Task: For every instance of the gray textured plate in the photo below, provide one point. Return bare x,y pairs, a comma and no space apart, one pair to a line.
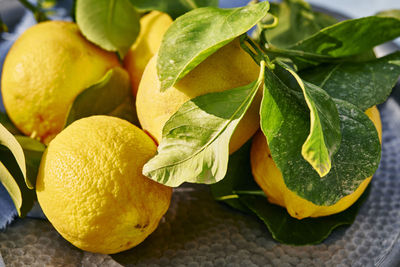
197,231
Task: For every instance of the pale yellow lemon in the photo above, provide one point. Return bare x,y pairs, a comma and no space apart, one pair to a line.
91,188
230,67
46,68
152,28
270,179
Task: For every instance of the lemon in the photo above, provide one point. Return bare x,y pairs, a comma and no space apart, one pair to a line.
91,188
270,179
230,67
46,68
152,28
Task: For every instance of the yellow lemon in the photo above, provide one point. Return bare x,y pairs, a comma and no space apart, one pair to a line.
91,188
46,68
270,179
152,28
230,67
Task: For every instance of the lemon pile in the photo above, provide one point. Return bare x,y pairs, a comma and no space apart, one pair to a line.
90,183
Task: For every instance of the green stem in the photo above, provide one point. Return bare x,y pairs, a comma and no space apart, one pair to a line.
38,13
255,52
250,192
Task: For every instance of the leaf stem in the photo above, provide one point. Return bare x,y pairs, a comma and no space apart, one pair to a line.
36,10
250,192
255,52
227,197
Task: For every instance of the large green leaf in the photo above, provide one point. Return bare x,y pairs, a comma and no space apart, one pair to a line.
286,122
350,37
291,231
239,190
33,151
195,142
198,34
296,21
110,96
363,84
111,24
174,8
13,172
324,138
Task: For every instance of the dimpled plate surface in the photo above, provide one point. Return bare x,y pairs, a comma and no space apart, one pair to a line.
197,231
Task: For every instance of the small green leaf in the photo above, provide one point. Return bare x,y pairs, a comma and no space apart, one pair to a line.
195,143
285,121
350,37
172,7
111,24
13,172
363,84
324,138
110,96
291,231
198,34
33,151
296,21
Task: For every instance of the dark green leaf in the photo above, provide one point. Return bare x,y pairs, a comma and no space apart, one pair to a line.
198,34
350,37
296,22
174,8
291,231
195,142
110,96
238,176
324,138
239,190
33,151
286,122
362,84
111,24
13,172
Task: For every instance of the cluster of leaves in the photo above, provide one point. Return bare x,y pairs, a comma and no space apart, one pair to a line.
319,77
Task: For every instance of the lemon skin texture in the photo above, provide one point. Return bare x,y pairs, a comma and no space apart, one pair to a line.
91,188
270,179
46,68
152,29
230,67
